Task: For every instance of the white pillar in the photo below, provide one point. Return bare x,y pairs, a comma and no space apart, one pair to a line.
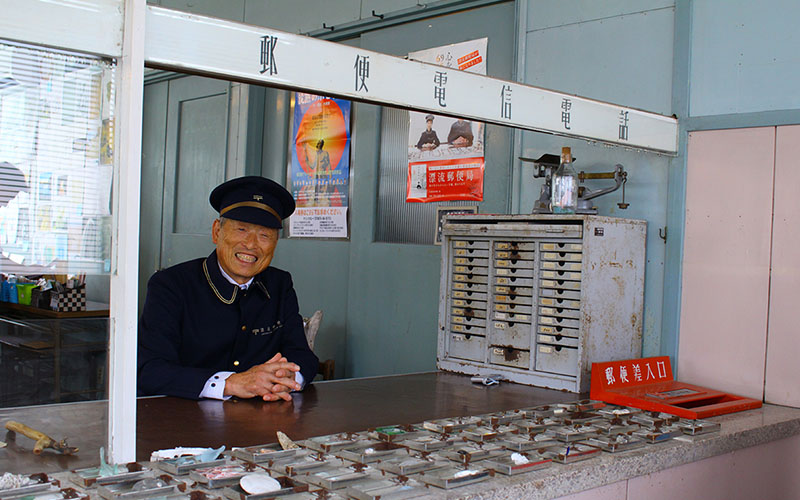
124,282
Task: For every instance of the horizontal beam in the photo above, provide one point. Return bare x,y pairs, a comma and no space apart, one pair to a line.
235,51
92,27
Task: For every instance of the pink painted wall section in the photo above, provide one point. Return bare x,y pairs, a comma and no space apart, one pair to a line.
725,278
783,337
768,471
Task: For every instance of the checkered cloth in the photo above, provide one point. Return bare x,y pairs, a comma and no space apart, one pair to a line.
70,300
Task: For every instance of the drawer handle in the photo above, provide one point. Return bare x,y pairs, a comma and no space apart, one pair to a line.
553,230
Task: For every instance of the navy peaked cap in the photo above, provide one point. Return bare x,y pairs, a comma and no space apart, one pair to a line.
253,199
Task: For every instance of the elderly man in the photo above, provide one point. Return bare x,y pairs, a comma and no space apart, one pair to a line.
228,324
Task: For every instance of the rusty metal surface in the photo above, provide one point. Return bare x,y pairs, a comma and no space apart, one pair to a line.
323,408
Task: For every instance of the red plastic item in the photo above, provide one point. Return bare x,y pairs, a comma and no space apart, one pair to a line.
647,383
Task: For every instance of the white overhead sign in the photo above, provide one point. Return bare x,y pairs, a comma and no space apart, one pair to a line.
181,41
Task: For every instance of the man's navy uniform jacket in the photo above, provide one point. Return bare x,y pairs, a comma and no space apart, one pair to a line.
196,323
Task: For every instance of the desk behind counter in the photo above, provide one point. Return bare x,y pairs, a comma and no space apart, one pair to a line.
323,408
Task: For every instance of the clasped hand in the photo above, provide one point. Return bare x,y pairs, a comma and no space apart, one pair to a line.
271,381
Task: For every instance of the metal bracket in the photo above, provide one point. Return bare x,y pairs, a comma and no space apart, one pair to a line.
663,235
379,16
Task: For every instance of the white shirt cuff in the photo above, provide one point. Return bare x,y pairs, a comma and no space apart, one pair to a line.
215,386
300,380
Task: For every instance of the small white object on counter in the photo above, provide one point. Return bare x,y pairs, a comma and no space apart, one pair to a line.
10,481
519,459
175,453
259,483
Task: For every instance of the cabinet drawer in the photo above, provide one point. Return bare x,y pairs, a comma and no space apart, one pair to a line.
514,291
562,275
515,256
469,287
470,252
514,272
508,356
557,359
514,299
569,304
551,265
515,245
512,317
561,284
517,335
560,312
470,269
512,281
562,256
467,294
473,244
475,304
471,347
468,312
561,247
471,278
558,340
513,308
559,294
467,329
462,320
558,330
564,322
470,261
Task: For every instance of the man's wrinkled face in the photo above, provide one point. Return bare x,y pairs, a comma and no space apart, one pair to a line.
243,249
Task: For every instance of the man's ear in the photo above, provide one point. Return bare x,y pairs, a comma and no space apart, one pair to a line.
215,230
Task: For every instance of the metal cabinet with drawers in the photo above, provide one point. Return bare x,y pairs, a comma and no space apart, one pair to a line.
538,298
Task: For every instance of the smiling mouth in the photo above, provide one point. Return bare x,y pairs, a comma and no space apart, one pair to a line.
246,258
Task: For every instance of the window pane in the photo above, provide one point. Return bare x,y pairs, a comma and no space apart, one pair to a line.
56,161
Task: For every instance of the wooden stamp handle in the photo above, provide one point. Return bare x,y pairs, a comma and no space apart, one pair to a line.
42,440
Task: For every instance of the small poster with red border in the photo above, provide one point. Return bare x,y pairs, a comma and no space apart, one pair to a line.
439,180
446,155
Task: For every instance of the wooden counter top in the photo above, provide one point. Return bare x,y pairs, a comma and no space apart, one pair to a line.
323,408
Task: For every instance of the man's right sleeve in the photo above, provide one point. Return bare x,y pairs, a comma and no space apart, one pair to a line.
159,368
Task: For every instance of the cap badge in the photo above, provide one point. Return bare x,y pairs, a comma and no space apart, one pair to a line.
258,197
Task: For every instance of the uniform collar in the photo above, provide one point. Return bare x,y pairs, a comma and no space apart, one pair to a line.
224,290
